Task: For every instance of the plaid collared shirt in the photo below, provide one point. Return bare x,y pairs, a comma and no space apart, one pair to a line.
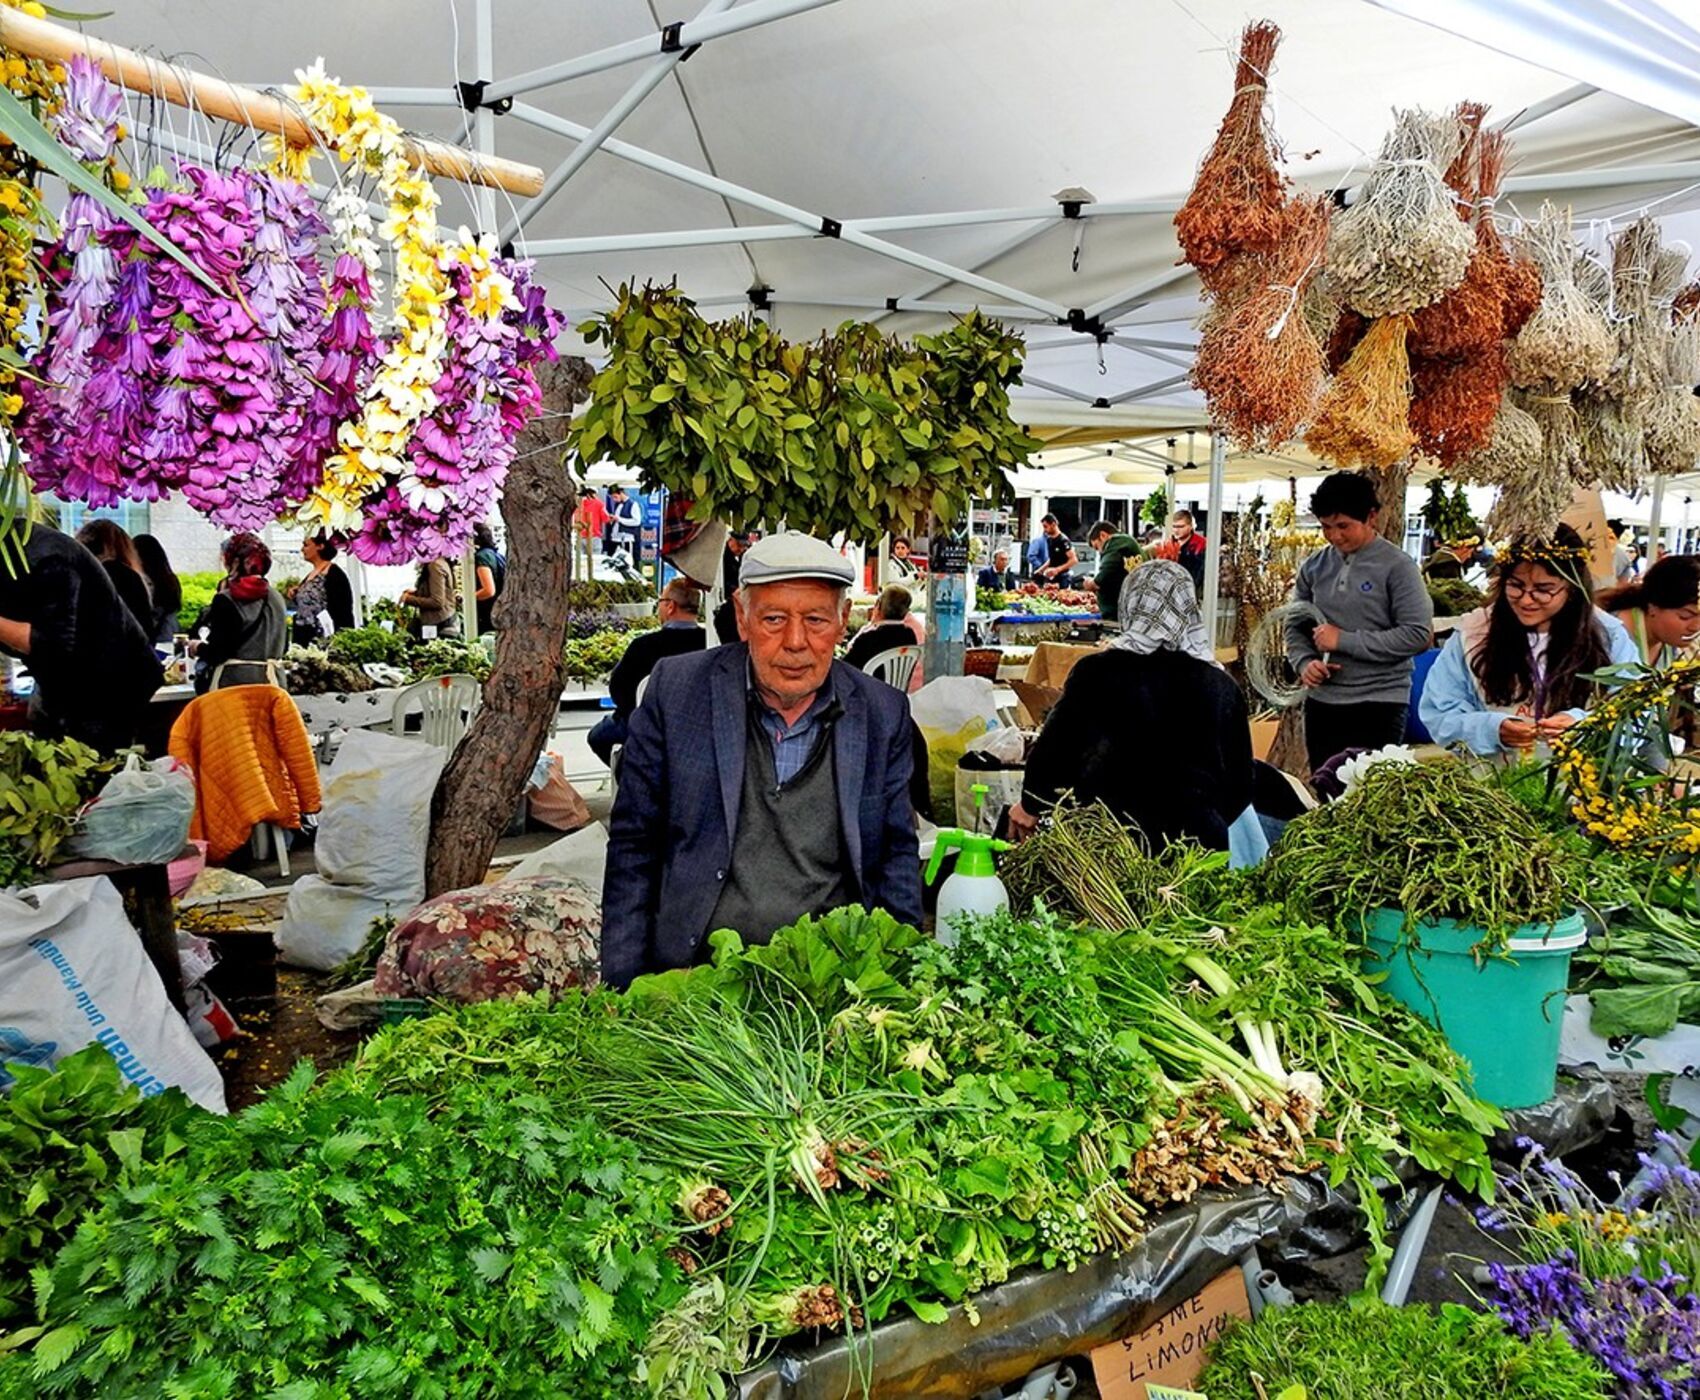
792,744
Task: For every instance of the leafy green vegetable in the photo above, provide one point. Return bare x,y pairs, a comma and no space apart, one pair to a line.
69,1138
43,785
445,656
362,645
1369,1351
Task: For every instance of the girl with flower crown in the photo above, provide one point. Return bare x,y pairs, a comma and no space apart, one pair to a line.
1515,673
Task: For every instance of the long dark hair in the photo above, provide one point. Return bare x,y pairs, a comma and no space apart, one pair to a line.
108,540
167,591
1673,582
1575,644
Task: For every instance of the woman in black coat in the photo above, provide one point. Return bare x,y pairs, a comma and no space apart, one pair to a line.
1152,727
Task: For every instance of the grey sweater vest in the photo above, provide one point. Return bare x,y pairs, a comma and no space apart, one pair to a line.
788,855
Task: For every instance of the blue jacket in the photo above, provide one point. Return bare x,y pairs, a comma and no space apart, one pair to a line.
681,782
1452,708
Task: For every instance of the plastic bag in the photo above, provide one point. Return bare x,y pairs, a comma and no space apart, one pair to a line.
580,856
141,816
951,712
73,971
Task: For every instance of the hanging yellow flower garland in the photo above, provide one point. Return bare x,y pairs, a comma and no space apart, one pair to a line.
373,447
36,84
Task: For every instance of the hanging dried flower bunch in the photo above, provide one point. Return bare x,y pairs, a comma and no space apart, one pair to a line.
1361,420
1402,245
1612,428
1672,432
1259,364
1513,442
1519,278
1567,342
1238,202
1454,403
1470,316
1348,331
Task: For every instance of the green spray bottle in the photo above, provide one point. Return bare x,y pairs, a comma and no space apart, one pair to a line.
973,887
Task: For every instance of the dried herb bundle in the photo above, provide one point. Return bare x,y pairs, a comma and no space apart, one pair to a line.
1402,245
1567,342
1519,278
1672,431
1536,491
1238,202
1612,429
1454,403
1643,324
1513,442
1344,337
1259,364
1470,316
1361,419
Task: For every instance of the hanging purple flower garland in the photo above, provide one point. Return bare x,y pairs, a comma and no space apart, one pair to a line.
151,383
459,455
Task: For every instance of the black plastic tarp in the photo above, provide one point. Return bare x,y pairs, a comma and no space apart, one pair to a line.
1040,1316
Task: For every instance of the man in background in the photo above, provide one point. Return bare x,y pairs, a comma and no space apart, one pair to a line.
997,575
1114,551
1186,547
1060,558
680,610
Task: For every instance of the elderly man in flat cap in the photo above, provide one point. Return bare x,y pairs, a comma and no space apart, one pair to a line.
760,781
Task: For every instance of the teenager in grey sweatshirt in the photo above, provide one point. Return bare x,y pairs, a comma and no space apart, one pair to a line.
1358,663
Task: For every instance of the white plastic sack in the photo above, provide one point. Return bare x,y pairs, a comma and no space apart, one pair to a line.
72,970
370,849
1675,1052
951,712
141,816
580,856
1007,744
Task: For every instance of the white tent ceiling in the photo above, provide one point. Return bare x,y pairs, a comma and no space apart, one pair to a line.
878,108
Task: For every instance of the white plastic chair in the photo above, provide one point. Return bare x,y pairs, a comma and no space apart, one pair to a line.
446,704
895,667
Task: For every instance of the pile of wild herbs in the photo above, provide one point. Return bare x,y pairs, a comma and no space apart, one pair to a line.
1435,840
618,1195
43,785
1369,1351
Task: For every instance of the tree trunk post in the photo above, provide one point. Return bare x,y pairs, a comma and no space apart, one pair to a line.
482,783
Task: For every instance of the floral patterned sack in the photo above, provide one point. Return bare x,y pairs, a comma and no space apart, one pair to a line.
541,934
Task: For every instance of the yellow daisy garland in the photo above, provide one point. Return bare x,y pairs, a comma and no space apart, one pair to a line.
373,447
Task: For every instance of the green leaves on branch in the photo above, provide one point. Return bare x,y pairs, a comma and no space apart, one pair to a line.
857,432
43,784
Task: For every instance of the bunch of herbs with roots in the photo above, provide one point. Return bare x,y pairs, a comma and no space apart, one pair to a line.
744,1093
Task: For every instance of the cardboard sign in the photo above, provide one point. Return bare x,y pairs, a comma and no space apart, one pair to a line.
1170,1352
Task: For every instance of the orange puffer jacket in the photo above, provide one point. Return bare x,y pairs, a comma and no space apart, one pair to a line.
252,760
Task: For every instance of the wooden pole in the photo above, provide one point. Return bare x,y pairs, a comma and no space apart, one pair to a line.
231,102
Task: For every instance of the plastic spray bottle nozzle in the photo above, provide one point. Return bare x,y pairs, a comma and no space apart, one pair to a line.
976,852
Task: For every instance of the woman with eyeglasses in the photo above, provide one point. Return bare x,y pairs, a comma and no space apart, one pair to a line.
1514,673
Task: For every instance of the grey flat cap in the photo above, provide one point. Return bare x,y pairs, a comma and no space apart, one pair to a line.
791,556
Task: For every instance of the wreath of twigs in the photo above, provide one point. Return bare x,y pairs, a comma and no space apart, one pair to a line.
1267,665
1617,763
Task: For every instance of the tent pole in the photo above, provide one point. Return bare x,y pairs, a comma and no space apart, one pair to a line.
1547,106
244,106
1655,518
484,204
629,101
688,36
1151,390
548,121
1138,294
1213,543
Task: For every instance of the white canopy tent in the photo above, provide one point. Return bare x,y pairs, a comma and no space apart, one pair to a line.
905,159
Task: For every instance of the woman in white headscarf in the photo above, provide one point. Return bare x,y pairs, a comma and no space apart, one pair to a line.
1152,727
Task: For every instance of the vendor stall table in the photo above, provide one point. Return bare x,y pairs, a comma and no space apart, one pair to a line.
147,899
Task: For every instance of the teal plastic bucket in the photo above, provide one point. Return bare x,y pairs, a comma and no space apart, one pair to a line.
1502,1016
